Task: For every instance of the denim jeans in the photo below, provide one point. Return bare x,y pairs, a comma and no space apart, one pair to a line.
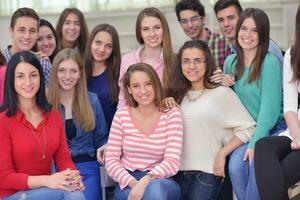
198,185
46,194
91,179
242,173
159,189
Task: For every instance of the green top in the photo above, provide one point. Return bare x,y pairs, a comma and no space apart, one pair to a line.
262,98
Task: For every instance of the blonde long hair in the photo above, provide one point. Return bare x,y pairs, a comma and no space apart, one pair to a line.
83,114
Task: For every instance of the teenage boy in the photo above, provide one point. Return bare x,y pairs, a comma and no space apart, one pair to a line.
191,16
24,33
227,13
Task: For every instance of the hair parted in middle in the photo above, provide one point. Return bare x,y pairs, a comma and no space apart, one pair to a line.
150,71
83,36
83,114
168,54
113,62
10,100
180,84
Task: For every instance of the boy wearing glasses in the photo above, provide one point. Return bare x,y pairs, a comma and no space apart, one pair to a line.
191,16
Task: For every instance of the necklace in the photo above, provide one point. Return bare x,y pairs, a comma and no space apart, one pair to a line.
193,99
43,147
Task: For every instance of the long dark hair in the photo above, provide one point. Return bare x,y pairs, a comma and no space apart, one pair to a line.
295,51
81,40
10,100
262,23
2,59
46,23
180,84
113,62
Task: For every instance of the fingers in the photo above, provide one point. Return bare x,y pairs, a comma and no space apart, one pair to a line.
169,103
101,155
227,80
217,76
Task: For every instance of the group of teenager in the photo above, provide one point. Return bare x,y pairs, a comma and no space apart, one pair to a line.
165,125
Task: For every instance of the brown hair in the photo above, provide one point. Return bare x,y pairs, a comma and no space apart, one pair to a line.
113,62
23,12
81,41
168,54
180,84
82,109
2,59
295,50
261,21
142,67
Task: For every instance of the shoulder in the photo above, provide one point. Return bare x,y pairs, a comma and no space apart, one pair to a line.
131,55
270,62
222,93
172,113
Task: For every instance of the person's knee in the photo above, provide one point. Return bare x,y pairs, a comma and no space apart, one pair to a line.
162,190
74,196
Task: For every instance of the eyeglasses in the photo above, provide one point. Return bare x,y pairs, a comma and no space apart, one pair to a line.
196,61
192,20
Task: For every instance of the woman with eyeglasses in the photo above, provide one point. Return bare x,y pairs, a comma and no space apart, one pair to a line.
215,122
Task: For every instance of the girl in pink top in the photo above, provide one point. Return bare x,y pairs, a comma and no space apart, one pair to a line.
152,33
144,145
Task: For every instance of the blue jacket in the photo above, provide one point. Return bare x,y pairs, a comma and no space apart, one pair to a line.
89,142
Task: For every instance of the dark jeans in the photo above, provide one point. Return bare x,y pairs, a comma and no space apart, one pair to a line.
159,189
198,185
277,167
226,188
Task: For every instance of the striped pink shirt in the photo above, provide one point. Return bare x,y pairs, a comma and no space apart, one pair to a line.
128,148
133,58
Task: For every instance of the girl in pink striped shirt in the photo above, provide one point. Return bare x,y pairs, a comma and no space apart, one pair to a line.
144,145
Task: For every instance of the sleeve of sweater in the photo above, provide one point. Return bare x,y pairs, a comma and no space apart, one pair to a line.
62,157
271,98
234,116
290,90
113,163
10,178
171,162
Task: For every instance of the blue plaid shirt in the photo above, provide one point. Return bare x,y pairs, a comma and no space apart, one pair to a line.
44,62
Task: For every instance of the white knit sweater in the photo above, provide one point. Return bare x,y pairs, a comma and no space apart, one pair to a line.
209,123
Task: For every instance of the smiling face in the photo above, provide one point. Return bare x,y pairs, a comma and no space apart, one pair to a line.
227,20
71,28
141,88
152,32
191,23
27,81
68,74
46,41
248,37
194,66
102,46
24,34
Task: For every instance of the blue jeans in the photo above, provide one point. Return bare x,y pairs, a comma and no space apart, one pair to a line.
159,189
242,174
46,194
91,179
198,185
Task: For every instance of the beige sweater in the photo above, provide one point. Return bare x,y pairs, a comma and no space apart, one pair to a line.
209,123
